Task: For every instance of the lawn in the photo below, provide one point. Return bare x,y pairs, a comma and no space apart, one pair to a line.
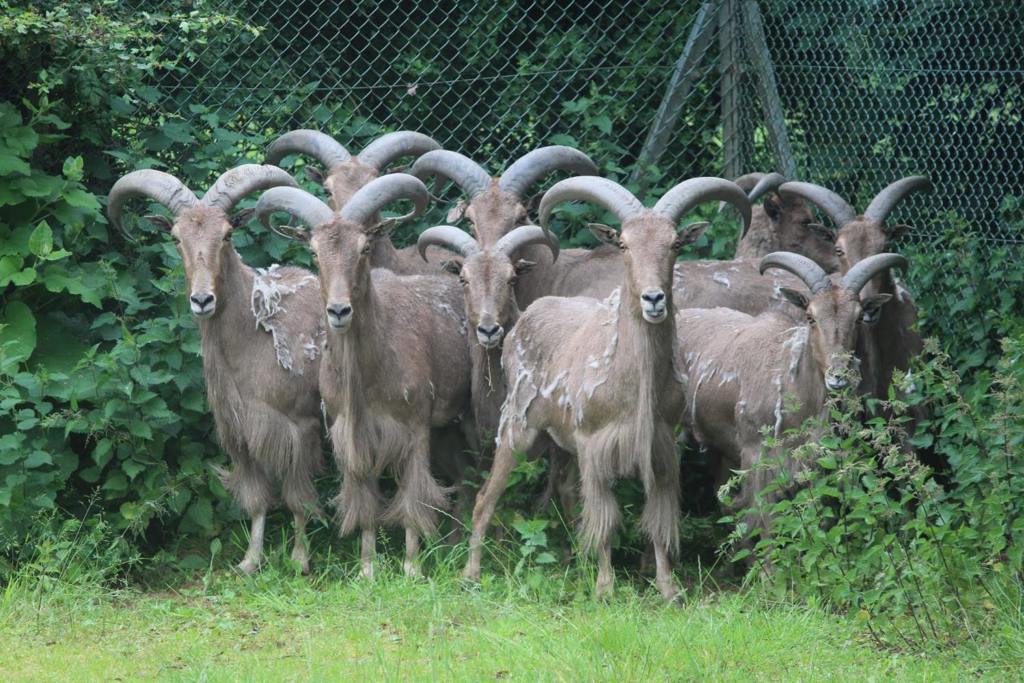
220,626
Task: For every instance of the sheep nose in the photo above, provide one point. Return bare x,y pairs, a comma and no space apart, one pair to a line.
653,296
339,310
488,330
201,300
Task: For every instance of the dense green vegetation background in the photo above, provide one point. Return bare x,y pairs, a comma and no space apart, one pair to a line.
106,445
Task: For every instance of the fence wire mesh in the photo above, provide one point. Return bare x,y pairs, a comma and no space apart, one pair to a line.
849,94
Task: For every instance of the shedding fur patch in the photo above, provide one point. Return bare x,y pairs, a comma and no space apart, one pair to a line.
268,295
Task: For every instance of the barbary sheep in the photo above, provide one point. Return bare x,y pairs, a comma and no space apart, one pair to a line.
345,174
260,345
599,376
396,366
741,369
782,222
893,341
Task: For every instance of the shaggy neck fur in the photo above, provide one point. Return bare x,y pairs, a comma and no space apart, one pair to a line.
647,367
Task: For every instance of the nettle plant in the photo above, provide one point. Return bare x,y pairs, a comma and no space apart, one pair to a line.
918,557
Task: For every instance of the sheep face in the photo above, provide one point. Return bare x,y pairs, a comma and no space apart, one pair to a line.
342,250
203,236
345,179
832,317
797,231
860,239
649,246
494,213
488,279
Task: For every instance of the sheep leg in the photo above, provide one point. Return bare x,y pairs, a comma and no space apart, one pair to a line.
368,551
412,549
486,500
663,577
300,552
605,576
254,554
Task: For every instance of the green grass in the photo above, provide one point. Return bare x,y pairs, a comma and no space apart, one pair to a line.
275,626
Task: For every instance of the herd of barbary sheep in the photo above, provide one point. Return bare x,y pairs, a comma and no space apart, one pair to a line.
590,358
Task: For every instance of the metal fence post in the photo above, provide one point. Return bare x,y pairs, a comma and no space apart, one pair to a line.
679,87
767,88
732,121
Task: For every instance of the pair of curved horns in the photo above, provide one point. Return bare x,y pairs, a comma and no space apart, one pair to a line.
164,188
453,239
518,177
673,205
842,213
360,208
817,279
756,185
331,153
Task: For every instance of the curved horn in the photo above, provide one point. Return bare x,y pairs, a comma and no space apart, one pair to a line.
678,201
458,168
886,200
534,165
159,186
601,191
387,148
320,146
239,181
825,199
524,236
447,237
769,183
804,268
747,181
379,192
298,203
864,270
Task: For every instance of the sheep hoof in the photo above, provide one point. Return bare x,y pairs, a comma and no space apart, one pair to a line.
248,566
471,574
603,591
367,571
412,571
302,561
670,591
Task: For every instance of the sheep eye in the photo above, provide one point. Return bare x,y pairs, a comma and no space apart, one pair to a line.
365,250
463,280
839,252
811,321
512,281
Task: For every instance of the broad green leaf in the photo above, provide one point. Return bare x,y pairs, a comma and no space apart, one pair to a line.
201,513
81,199
40,242
11,164
73,168
18,331
38,459
9,265
178,131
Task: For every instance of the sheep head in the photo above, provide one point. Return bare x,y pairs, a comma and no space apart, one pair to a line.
488,274
867,234
345,173
648,239
834,308
341,242
201,227
497,206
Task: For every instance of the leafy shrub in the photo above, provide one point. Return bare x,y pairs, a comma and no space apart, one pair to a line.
871,532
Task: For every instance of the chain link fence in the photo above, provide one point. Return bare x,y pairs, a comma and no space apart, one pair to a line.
849,94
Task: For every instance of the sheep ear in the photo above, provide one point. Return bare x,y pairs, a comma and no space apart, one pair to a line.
689,234
315,174
772,206
895,232
794,297
822,231
523,266
162,222
240,218
872,306
452,266
292,233
456,213
604,233
382,228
